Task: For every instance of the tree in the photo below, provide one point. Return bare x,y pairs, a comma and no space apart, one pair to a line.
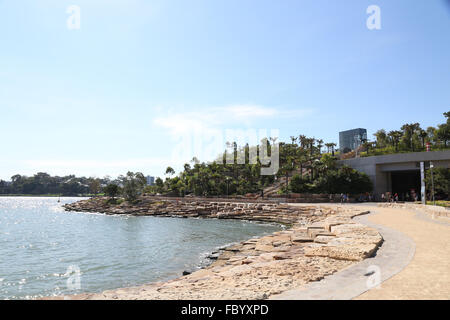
447,115
112,190
344,180
170,171
382,138
441,180
330,147
286,168
3,187
395,137
423,135
319,146
187,167
176,186
133,184
302,140
328,162
42,183
333,146
299,184
368,146
310,143
221,178
94,186
443,131
431,134
159,183
408,133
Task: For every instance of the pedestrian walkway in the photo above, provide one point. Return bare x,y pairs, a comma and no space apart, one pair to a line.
393,256
427,276
412,263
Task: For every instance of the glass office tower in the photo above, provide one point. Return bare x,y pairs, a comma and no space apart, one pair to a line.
351,139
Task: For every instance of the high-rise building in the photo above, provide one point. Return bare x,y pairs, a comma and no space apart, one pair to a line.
351,139
150,180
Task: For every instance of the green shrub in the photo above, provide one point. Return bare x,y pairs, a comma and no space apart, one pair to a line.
299,184
441,180
344,180
112,190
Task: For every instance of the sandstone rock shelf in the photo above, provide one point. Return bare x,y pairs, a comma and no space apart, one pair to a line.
319,242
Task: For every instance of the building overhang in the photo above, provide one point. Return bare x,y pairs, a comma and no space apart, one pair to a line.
399,159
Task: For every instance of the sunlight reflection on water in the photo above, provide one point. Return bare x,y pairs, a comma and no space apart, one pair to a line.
40,241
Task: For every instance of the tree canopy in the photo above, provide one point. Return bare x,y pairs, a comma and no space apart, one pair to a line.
411,138
42,183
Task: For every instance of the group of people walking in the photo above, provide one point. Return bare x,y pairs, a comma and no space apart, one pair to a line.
384,197
395,197
344,198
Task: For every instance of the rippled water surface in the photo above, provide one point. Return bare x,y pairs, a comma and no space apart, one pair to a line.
42,247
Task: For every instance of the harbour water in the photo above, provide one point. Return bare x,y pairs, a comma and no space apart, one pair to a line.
45,251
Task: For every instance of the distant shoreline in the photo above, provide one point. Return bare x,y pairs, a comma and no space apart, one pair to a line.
42,196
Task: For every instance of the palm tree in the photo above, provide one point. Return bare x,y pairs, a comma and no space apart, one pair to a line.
431,133
369,145
300,158
395,137
320,145
333,145
381,138
195,160
423,135
303,140
328,145
310,144
293,139
408,132
315,165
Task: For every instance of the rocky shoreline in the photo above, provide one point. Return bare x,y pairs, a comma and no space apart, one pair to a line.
186,208
319,241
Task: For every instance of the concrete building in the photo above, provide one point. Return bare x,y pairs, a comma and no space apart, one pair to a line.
150,180
351,139
397,173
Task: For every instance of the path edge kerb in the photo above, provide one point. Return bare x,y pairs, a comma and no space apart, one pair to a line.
412,248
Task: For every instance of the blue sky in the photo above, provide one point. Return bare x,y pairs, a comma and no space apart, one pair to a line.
118,93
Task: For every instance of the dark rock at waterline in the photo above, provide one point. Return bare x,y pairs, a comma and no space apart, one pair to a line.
213,256
185,273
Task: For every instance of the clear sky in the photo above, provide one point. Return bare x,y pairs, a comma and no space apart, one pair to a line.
118,93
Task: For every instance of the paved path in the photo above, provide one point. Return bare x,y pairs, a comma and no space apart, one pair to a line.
413,262
427,276
435,219
395,253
